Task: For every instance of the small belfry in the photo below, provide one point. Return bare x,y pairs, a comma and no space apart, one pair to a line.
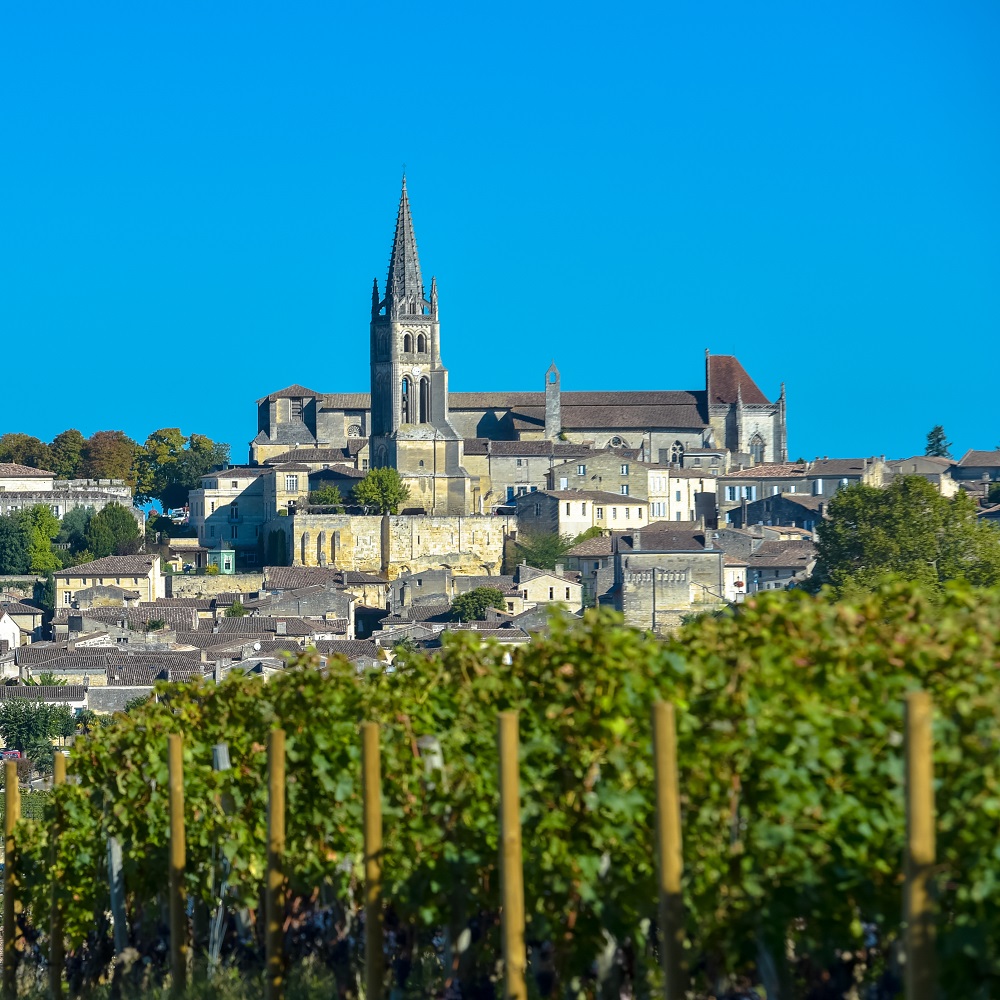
410,429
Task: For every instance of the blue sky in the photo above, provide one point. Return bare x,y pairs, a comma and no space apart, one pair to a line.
194,199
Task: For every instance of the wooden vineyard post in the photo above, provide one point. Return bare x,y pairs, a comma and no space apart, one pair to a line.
668,850
274,900
371,791
511,869
178,911
56,950
920,848
11,905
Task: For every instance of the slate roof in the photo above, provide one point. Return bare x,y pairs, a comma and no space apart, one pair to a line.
260,625
43,692
592,547
423,612
352,649
805,500
347,401
12,470
652,539
770,470
727,378
332,455
17,608
292,392
135,619
989,459
294,577
137,565
594,496
838,467
353,577
782,555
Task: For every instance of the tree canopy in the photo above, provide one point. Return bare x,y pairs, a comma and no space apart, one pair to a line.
382,489
67,454
23,449
40,526
907,528
112,531
14,555
471,606
327,495
169,465
938,445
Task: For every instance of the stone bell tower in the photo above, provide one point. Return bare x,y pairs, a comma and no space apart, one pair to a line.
410,429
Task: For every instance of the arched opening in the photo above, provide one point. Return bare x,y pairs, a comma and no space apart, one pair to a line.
407,343
425,400
421,344
757,449
304,549
677,452
321,548
405,402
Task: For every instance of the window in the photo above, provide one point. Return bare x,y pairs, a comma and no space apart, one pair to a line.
581,470
599,513
627,510
291,485
583,510
749,492
421,344
567,593
55,509
212,511
563,483
697,460
757,449
677,452
817,487
623,489
364,464
638,513
552,592
677,495
67,597
404,395
234,484
730,492
407,343
236,531
519,463
624,470
295,409
234,511
211,531
775,490
614,513
510,492
538,510
567,508
677,516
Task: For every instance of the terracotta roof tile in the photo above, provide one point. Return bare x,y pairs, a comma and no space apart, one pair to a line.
727,378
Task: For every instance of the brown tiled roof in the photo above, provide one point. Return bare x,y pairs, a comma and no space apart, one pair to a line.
138,565
13,471
137,618
990,459
777,555
294,577
652,540
43,692
593,496
353,578
770,470
805,500
476,446
347,401
726,376
355,445
292,392
310,455
17,608
838,467
352,649
592,547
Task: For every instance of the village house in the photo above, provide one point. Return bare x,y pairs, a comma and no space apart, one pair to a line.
542,586
135,573
569,513
779,565
22,486
937,471
983,466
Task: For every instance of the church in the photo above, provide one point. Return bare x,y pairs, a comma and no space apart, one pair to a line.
441,441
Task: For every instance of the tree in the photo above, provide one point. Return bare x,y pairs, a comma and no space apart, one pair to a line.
236,610
170,465
111,530
938,445
326,496
110,455
907,529
48,679
14,555
382,489
73,530
22,449
471,606
543,550
67,454
41,526
25,723
993,493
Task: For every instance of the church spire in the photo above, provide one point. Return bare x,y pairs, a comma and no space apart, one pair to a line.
404,292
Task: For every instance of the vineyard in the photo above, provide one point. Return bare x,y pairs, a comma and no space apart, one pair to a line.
790,763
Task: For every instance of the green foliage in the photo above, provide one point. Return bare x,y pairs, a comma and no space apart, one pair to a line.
23,449
14,553
40,526
908,529
48,679
938,445
110,455
136,703
382,489
169,465
236,610
67,454
155,624
27,724
327,496
993,493
73,530
472,605
789,747
112,530
543,550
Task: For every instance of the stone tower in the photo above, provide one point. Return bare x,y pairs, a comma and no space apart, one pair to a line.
410,429
553,407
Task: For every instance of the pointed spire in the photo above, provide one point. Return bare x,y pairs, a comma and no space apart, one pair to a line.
375,297
434,296
404,292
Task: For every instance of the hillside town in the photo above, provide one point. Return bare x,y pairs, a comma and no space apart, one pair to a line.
363,523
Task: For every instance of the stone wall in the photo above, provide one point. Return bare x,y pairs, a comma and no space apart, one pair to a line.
392,545
658,588
188,585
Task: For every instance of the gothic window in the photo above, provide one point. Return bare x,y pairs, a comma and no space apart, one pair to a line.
677,452
407,343
425,400
757,449
421,344
405,402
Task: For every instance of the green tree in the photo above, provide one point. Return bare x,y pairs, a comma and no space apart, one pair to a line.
938,445
542,550
25,723
23,449
236,610
111,455
993,493
41,526
382,489
471,606
326,496
14,555
48,679
111,530
170,465
907,529
67,454
73,530
47,598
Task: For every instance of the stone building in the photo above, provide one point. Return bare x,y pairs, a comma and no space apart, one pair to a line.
571,512
22,486
411,420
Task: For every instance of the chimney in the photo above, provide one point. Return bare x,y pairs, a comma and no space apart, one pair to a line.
281,628
560,568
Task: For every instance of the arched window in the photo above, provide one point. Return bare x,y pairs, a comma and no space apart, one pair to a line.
421,344
354,431
677,452
405,402
407,343
757,449
425,400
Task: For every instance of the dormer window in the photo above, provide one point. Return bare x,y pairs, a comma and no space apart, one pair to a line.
295,409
